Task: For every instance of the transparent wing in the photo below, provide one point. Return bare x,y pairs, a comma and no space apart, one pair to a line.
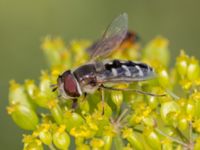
111,39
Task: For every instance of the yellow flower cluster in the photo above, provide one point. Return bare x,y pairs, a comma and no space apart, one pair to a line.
130,120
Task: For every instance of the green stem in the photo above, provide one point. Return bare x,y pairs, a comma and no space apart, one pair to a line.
172,94
118,143
190,132
51,147
122,115
172,138
182,136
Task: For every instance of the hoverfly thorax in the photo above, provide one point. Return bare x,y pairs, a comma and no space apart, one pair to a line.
68,85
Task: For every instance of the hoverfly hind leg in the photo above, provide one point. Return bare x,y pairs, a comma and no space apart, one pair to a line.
102,99
133,90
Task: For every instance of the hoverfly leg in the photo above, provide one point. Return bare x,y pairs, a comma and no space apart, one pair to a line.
74,103
59,96
133,90
84,97
102,99
54,87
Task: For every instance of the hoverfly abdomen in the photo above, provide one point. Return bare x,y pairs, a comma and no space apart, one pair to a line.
128,71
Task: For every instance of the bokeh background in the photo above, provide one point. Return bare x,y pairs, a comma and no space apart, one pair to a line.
23,23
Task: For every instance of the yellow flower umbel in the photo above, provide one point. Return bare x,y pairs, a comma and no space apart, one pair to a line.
130,120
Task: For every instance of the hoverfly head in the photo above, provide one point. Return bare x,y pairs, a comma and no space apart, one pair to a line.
68,85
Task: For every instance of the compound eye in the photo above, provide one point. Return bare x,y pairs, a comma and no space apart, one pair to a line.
70,86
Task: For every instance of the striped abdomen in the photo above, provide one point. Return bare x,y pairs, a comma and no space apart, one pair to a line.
124,71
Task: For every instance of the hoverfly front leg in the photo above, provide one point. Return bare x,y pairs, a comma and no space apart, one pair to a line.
74,104
84,96
75,101
54,87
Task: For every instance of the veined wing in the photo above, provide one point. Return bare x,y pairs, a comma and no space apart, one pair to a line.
111,39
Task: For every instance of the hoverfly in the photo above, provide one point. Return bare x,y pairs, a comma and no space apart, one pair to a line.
96,73
130,39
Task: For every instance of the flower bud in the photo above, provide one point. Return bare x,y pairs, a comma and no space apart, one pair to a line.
153,102
41,100
17,95
79,140
149,121
72,119
60,138
35,145
163,78
127,147
152,139
196,98
157,50
190,107
80,56
179,147
193,69
182,123
197,144
182,64
84,106
52,48
196,125
167,144
132,139
56,111
66,59
45,137
118,142
186,84
44,92
82,131
31,88
117,98
45,83
53,44
97,143
169,108
83,147
23,116
107,142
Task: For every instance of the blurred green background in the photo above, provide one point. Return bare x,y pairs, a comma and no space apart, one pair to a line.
23,23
